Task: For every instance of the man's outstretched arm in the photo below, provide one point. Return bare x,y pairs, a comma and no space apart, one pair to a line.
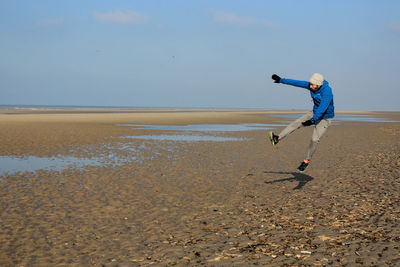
297,83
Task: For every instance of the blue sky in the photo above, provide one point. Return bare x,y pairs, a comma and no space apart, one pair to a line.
198,53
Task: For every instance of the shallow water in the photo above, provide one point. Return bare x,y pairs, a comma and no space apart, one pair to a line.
361,118
207,127
109,155
340,117
9,164
185,138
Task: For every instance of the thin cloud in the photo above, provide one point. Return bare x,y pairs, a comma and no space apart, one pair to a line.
50,22
233,19
120,17
395,27
43,23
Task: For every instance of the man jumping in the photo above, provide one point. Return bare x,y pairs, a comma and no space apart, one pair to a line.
320,117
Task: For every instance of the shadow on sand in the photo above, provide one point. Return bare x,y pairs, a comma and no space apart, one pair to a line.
299,177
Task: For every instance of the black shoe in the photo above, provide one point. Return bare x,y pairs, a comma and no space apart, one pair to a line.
273,138
302,167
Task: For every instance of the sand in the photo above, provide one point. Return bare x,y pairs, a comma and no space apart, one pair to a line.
207,203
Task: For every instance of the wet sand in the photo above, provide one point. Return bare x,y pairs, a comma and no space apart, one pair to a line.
206,203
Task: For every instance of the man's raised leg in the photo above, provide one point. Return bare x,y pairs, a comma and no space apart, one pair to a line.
295,125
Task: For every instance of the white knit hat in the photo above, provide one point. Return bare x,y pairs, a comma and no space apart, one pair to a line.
317,79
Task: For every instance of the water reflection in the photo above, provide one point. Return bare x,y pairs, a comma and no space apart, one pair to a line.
185,138
339,117
207,127
10,164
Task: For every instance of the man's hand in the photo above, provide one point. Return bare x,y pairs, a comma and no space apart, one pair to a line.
308,123
276,78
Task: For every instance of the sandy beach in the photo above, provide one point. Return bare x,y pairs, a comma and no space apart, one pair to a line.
198,203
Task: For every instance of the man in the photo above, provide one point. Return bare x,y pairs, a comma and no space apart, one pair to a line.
320,118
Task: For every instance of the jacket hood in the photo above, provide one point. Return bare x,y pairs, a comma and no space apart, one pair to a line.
324,85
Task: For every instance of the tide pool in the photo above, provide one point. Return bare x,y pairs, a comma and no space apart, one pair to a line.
207,127
185,138
340,117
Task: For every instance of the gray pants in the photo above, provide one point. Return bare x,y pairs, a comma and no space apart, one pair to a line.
319,130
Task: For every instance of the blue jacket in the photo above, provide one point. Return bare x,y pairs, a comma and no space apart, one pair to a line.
323,98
